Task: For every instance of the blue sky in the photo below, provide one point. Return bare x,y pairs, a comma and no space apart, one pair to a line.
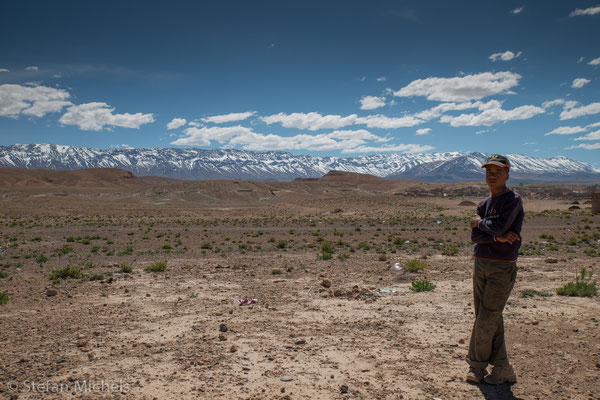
322,78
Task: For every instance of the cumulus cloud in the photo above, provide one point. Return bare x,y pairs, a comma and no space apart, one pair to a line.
202,136
96,115
381,121
585,146
400,148
492,114
312,121
464,88
219,119
32,68
506,56
371,102
424,131
517,10
585,11
595,61
590,136
594,125
576,112
552,103
348,141
579,83
566,130
35,101
176,123
440,109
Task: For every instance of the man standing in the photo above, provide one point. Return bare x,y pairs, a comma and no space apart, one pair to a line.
496,232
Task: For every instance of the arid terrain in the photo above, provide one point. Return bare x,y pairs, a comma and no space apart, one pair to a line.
85,318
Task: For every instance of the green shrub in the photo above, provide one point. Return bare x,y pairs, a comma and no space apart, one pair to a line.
125,251
206,246
422,286
364,246
449,250
282,244
96,277
276,272
65,250
3,298
65,273
582,287
415,264
125,269
160,266
41,258
167,246
3,274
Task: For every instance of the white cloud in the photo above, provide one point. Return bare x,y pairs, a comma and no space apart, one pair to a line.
371,102
492,114
570,104
590,136
312,121
566,130
57,76
357,134
219,119
381,79
594,125
469,87
585,146
595,61
517,10
424,131
575,112
552,103
96,115
440,109
585,11
401,148
176,123
579,83
36,101
506,56
33,68
580,60
4,70
203,136
381,121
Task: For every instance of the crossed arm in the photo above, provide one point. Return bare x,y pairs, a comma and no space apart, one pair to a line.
478,236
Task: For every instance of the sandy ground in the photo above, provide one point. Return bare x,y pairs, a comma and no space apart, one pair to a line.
321,329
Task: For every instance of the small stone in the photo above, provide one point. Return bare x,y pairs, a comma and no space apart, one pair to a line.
233,349
286,378
326,283
300,341
551,260
344,389
223,328
147,294
536,322
461,341
51,292
222,337
81,343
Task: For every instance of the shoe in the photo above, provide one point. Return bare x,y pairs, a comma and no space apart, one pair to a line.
501,374
475,375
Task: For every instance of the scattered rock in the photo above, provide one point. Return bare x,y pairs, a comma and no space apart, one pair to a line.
233,348
286,378
536,322
551,260
461,341
326,283
344,389
300,341
222,337
223,328
81,343
574,208
51,292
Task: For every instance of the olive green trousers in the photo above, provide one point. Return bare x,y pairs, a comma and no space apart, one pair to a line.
493,280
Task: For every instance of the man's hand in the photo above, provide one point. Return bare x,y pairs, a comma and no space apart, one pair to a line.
508,237
475,222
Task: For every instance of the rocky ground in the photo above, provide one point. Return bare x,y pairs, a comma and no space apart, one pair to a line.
330,322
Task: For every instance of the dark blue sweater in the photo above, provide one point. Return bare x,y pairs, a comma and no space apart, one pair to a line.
499,214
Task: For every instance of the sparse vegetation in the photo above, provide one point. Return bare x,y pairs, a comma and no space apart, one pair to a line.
532,292
125,269
66,273
160,266
582,287
415,265
3,298
422,286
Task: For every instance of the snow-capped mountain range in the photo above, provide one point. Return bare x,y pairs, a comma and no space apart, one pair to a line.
198,164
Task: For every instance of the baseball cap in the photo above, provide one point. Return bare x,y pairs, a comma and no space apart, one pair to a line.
497,159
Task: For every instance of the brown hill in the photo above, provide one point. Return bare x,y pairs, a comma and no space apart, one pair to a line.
90,177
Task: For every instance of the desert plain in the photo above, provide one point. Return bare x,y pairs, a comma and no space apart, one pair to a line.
125,287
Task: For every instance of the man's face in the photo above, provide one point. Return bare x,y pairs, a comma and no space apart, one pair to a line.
495,176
